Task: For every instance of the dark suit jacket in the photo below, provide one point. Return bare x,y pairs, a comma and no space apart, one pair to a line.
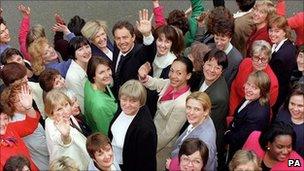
139,149
97,52
129,67
282,63
253,117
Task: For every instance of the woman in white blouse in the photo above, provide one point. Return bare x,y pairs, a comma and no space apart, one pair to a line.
76,75
63,139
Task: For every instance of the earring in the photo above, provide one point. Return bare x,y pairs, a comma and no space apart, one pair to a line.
268,148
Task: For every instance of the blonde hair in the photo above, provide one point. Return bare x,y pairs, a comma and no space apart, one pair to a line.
267,7
242,157
135,90
36,51
90,29
54,98
259,47
203,98
64,163
35,32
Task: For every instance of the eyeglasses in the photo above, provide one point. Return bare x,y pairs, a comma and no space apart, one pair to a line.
186,160
257,59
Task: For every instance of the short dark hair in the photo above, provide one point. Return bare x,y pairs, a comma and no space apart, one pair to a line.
12,72
245,5
47,79
2,20
76,43
92,66
178,19
191,145
219,55
123,24
16,163
224,28
75,25
8,53
171,34
96,141
297,90
276,129
300,49
187,62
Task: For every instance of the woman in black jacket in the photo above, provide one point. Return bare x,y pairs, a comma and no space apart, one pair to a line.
132,131
253,113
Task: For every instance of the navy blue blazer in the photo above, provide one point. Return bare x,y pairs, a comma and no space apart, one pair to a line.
282,63
253,117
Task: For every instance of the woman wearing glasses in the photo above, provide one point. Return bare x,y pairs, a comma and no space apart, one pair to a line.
261,52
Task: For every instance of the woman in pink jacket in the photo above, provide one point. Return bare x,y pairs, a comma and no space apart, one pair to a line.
275,148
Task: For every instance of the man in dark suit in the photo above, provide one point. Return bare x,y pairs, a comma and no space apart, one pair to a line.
128,55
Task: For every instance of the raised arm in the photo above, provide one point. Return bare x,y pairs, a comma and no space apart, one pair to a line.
158,12
27,126
60,26
24,29
197,9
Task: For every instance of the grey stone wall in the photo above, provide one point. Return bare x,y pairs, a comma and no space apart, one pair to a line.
110,11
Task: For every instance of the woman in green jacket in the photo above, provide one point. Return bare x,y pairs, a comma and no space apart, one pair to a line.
99,102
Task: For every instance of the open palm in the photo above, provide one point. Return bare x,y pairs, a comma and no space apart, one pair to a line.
26,97
144,24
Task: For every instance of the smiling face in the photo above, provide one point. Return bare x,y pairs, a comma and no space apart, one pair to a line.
195,112
276,34
4,34
193,162
178,75
62,111
296,107
260,61
212,71
129,106
59,82
221,42
49,53
83,54
4,120
259,16
100,39
252,91
104,157
163,45
280,148
124,40
103,75
300,61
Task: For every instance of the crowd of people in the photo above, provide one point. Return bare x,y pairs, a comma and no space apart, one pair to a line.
196,90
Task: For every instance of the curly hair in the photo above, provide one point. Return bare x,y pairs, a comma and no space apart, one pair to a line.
36,51
10,96
217,15
178,19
